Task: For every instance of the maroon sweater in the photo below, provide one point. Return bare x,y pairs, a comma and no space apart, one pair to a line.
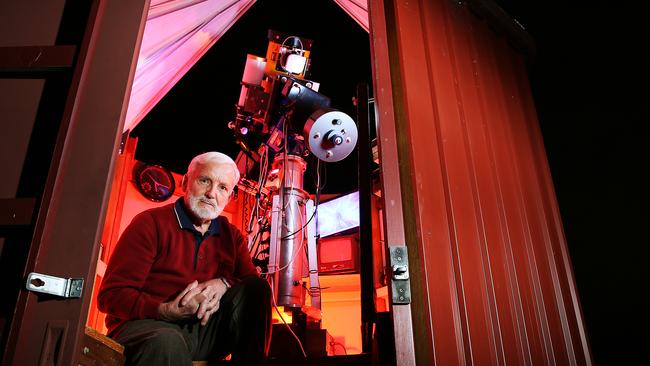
157,257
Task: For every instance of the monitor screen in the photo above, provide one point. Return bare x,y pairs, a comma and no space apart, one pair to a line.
339,214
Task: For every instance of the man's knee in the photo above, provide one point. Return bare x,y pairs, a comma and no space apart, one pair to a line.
251,293
160,347
167,341
257,285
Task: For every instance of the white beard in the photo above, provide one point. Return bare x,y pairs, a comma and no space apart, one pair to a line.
207,211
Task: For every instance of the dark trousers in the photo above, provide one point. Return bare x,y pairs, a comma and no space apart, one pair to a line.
241,327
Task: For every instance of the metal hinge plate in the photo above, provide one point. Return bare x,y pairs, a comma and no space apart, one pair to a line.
400,284
64,287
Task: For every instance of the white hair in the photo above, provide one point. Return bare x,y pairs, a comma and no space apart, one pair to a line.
216,157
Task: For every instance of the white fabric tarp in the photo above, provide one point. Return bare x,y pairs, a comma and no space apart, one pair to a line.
178,33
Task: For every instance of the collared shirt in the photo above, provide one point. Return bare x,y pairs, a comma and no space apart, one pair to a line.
185,223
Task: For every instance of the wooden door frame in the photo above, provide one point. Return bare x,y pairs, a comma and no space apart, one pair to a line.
69,224
392,149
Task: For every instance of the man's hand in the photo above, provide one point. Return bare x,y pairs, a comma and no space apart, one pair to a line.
211,291
184,306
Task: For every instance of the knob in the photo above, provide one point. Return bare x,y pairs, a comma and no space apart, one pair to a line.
336,139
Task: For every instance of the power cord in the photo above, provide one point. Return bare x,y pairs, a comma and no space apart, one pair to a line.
302,349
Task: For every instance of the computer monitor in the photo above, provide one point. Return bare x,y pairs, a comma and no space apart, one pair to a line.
338,215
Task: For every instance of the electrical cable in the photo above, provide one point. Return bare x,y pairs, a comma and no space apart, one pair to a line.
275,305
333,343
301,228
295,255
317,202
255,211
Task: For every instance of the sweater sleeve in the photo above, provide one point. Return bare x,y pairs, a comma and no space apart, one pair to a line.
121,294
243,263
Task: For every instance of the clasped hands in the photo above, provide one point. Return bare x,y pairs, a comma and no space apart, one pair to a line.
196,300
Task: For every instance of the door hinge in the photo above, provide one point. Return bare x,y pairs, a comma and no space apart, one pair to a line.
64,287
400,284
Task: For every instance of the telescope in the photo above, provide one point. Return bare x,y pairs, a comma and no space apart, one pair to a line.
281,118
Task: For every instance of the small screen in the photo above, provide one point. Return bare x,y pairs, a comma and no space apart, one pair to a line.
339,214
335,250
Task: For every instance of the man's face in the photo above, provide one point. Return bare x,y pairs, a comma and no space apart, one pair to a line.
208,189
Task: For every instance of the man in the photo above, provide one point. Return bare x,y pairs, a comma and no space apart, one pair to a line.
180,285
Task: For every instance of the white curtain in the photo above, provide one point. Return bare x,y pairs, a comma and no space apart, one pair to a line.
178,33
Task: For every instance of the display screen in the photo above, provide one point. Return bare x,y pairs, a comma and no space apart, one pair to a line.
336,249
338,214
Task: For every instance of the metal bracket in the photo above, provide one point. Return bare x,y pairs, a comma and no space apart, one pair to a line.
400,284
64,287
312,254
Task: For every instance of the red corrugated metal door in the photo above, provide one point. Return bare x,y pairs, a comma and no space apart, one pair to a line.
491,278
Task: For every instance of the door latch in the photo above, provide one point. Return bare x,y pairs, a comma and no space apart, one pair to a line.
400,284
64,287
